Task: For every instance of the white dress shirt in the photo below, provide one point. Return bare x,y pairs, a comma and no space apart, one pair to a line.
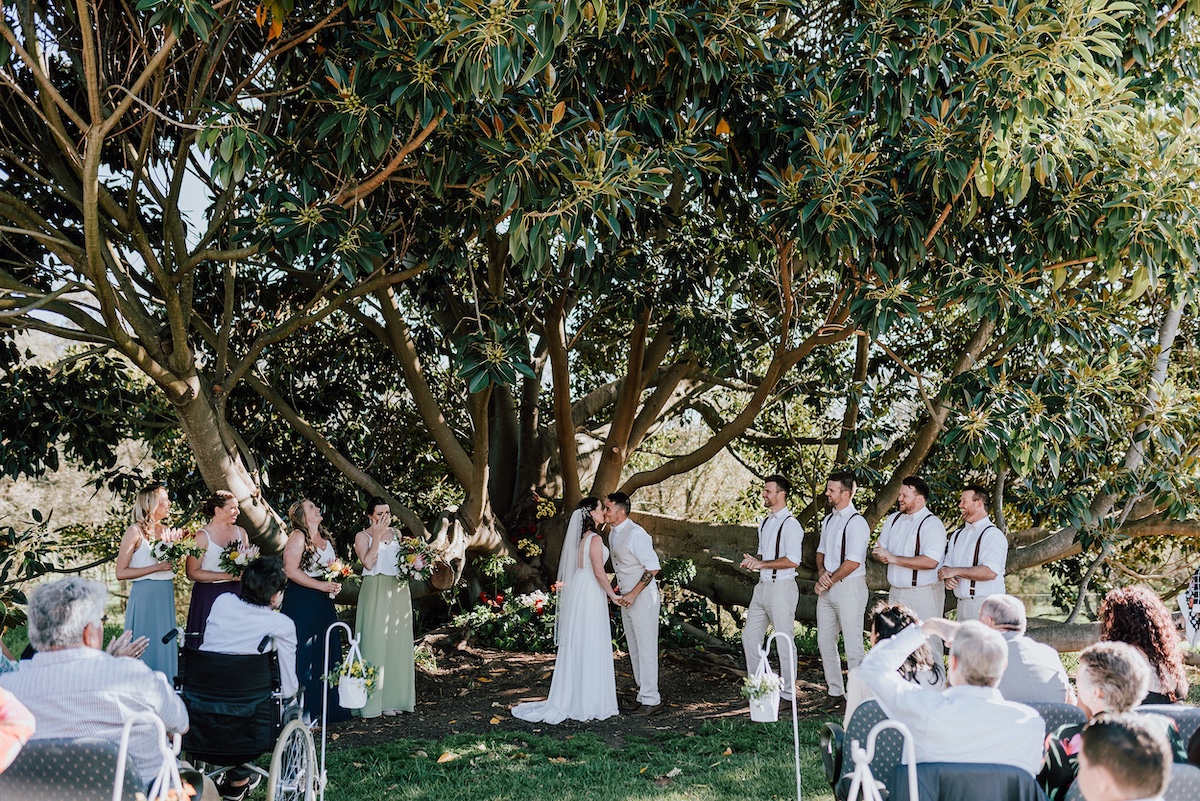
858,533
963,723
787,528
633,554
899,536
237,627
84,692
1035,672
993,552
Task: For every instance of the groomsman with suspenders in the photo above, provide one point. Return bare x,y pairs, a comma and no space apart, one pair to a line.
841,583
973,567
912,544
780,548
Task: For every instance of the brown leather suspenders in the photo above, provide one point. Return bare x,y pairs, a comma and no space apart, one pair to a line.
978,545
778,539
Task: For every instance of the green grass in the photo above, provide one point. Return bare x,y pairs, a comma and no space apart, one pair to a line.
509,765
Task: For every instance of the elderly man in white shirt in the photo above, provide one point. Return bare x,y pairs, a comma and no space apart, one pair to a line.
75,690
780,549
968,722
912,544
841,583
1035,672
973,567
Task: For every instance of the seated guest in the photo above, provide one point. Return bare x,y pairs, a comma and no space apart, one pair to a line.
1111,679
74,689
1123,757
1035,673
968,722
1135,615
921,667
239,626
16,727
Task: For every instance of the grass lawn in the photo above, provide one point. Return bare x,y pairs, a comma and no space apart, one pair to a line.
722,760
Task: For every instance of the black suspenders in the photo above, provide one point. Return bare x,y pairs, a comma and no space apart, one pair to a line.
778,538
978,546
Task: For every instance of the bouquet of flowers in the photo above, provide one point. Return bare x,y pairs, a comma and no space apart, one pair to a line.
353,669
235,556
174,544
760,686
337,570
414,560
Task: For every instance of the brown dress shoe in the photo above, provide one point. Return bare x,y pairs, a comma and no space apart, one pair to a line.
628,704
646,710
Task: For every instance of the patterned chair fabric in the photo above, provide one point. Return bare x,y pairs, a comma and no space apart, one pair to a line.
67,770
889,746
964,781
1187,718
1183,786
1057,715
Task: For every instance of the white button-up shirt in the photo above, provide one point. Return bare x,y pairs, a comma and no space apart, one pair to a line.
993,552
964,723
83,692
857,535
787,528
899,536
632,553
237,627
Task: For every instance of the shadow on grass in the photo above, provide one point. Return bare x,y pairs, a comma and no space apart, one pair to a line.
721,760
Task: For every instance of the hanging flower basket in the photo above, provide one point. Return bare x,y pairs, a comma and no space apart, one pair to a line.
762,691
352,692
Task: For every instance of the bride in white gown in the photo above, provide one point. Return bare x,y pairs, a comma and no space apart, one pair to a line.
584,686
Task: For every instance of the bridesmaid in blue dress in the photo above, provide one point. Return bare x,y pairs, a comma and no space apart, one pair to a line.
308,600
150,611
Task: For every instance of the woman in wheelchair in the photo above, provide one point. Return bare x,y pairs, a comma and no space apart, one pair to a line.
252,624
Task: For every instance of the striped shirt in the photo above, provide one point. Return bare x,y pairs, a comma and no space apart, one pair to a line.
84,692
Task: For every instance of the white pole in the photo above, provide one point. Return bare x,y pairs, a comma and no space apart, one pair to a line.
325,699
791,649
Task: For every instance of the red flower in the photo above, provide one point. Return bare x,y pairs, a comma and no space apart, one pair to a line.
484,598
499,598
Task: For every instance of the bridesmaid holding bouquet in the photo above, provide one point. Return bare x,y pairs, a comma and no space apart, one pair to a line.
211,582
150,611
384,620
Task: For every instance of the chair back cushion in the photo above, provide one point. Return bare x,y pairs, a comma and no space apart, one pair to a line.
965,781
67,770
889,745
231,703
1187,718
1058,715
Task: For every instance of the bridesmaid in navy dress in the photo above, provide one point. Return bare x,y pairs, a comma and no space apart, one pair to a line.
308,600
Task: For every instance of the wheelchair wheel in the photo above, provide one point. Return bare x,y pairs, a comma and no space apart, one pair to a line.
293,775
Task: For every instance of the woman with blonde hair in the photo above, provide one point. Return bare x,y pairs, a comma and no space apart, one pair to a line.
150,611
308,601
211,582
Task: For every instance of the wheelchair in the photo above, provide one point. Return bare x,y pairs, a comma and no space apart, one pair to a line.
238,713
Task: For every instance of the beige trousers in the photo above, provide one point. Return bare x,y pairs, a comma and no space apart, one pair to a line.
928,602
840,611
641,635
774,603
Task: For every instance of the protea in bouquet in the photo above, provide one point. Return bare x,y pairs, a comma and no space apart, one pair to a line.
175,544
235,556
414,560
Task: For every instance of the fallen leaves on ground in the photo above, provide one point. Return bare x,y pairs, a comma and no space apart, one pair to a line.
446,757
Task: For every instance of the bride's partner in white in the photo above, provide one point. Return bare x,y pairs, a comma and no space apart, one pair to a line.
584,686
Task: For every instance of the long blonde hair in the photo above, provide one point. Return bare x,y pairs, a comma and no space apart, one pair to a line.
144,505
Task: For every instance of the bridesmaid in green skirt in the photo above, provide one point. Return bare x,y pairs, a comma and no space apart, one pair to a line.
384,622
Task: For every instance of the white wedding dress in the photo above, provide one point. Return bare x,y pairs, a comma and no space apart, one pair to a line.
584,686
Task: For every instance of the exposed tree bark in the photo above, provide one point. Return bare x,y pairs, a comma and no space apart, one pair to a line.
854,401
617,446
560,387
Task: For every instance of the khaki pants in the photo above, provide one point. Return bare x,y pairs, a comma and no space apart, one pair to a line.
928,602
840,611
969,608
773,602
641,635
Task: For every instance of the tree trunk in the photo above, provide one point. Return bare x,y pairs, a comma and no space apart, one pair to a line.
222,467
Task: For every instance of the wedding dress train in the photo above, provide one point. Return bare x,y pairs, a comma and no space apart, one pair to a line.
584,684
